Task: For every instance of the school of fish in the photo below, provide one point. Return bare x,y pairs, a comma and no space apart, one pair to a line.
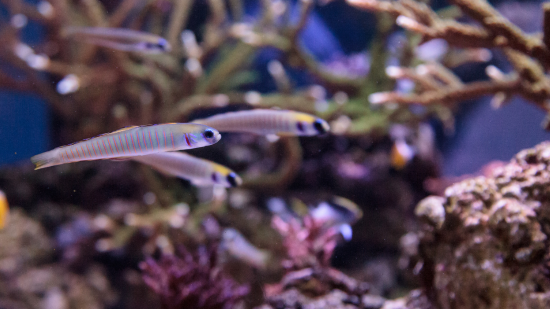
158,145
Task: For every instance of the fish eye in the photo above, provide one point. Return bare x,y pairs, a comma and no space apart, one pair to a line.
163,44
233,179
321,126
211,136
300,126
214,177
208,133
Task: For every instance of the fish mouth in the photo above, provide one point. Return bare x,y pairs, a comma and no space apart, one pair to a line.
217,137
321,126
234,180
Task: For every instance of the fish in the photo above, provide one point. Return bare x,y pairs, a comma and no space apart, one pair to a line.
120,39
267,122
335,213
401,154
240,248
200,172
338,212
4,210
403,149
131,142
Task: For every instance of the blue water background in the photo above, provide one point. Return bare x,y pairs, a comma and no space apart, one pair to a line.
482,134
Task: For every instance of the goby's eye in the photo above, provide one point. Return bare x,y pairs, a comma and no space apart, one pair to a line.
208,133
233,179
320,126
163,45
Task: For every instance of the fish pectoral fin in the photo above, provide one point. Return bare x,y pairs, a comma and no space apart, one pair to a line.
272,138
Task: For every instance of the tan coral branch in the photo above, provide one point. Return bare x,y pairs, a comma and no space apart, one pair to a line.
447,95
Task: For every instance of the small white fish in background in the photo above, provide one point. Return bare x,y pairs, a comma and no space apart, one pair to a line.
277,206
268,122
401,154
199,171
240,248
338,212
131,142
409,143
119,39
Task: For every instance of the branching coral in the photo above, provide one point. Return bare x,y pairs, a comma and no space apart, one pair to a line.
528,54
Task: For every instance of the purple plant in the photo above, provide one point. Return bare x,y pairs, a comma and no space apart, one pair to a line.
192,281
308,243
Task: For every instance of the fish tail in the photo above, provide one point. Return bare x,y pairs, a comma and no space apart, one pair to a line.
45,159
199,121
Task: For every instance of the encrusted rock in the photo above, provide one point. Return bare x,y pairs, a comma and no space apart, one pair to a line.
24,243
26,281
432,209
54,287
490,248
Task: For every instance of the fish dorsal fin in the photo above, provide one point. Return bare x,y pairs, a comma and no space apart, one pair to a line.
123,129
100,135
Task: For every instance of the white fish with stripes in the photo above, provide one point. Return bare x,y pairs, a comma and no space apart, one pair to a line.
130,142
119,39
268,121
200,172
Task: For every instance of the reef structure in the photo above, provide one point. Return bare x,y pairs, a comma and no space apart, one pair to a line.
484,244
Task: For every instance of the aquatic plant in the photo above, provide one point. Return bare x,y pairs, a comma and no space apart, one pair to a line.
307,242
186,280
309,245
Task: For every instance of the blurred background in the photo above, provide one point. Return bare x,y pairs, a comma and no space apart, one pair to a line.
77,233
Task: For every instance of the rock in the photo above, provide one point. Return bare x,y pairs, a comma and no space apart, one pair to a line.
431,208
372,301
489,248
294,299
29,280
24,243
